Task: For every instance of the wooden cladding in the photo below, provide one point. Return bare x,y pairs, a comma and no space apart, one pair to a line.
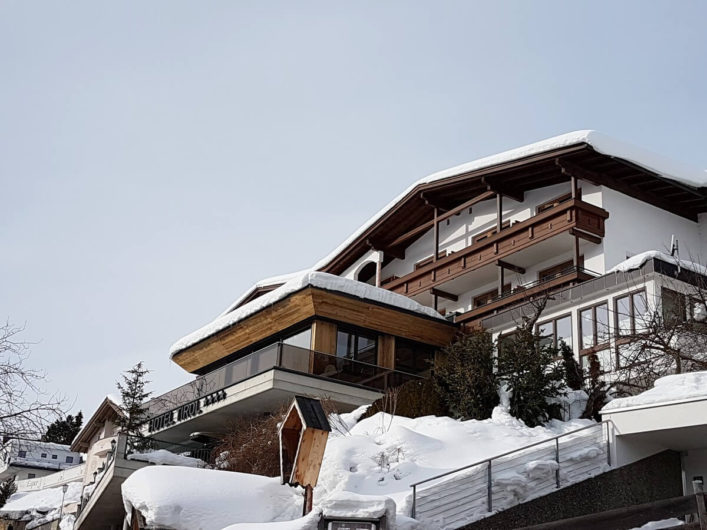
307,304
566,216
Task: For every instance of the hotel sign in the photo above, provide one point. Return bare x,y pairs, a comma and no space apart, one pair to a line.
185,412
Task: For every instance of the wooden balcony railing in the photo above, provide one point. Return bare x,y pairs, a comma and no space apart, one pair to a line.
522,293
574,215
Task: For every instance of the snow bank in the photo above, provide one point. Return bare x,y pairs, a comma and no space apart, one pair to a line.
383,455
345,504
185,498
668,389
44,505
164,457
637,261
309,522
665,167
665,523
321,280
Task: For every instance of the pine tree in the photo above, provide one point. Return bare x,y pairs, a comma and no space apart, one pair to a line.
596,390
528,369
64,431
7,488
465,378
133,396
573,371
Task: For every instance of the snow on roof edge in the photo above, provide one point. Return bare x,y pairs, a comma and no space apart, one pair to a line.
670,169
637,261
669,389
321,280
266,282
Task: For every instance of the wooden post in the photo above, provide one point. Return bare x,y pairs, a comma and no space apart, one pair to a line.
697,487
573,181
435,232
499,212
308,495
575,257
501,280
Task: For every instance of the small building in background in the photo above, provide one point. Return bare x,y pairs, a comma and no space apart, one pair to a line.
27,459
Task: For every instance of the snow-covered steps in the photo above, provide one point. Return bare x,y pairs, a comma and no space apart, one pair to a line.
473,492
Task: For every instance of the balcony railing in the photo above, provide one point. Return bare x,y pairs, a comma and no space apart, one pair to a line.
288,357
521,293
571,216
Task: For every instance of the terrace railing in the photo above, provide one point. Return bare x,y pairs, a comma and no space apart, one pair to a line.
288,357
143,444
460,496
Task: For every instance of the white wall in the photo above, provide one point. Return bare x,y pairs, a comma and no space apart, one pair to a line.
634,226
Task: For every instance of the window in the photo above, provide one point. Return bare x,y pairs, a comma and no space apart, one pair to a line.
630,312
604,356
302,339
413,357
22,454
54,457
557,200
594,326
69,459
672,306
358,345
555,331
558,270
31,475
490,296
44,455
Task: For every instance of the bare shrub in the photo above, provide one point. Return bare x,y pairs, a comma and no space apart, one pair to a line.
251,445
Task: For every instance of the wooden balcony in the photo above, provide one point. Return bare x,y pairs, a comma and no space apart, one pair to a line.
574,216
523,293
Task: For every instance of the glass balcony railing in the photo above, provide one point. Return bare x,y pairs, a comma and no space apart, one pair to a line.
288,357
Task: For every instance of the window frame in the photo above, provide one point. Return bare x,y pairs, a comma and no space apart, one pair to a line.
632,311
357,333
596,345
554,328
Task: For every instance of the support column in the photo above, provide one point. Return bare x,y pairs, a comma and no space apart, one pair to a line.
386,351
573,182
435,233
501,281
379,267
499,212
575,257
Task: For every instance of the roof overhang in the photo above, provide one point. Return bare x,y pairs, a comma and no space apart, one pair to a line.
513,178
303,306
107,410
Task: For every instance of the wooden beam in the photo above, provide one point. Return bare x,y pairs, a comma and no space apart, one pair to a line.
510,266
398,253
517,196
499,213
573,170
427,225
444,294
584,235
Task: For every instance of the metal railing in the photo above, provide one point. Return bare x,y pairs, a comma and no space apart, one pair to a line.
281,355
472,487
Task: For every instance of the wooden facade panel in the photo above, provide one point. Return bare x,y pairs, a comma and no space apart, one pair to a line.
386,351
307,304
260,326
382,319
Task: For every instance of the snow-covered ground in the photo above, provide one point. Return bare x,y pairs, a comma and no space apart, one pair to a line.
367,464
42,506
667,389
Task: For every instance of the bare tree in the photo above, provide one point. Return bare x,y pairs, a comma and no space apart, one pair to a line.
25,409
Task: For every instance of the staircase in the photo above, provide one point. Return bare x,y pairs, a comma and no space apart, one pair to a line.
472,492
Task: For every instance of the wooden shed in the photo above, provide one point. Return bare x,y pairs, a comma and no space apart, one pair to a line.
303,437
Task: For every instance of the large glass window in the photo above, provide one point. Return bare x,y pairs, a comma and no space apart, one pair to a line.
631,313
594,326
302,339
673,306
413,357
555,331
358,345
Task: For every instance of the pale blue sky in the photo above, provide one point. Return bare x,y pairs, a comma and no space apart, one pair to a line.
156,158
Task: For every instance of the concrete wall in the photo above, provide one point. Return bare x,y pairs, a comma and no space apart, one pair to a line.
654,478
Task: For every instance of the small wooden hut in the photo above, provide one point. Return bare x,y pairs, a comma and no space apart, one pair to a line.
303,436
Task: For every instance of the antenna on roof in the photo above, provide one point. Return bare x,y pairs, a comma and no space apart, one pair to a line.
675,250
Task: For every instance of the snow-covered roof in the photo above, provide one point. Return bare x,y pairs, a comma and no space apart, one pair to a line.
41,501
637,261
267,282
601,143
320,280
669,389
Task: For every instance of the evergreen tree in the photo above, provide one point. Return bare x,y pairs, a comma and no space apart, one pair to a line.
465,378
133,395
64,431
528,368
596,390
7,488
573,371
